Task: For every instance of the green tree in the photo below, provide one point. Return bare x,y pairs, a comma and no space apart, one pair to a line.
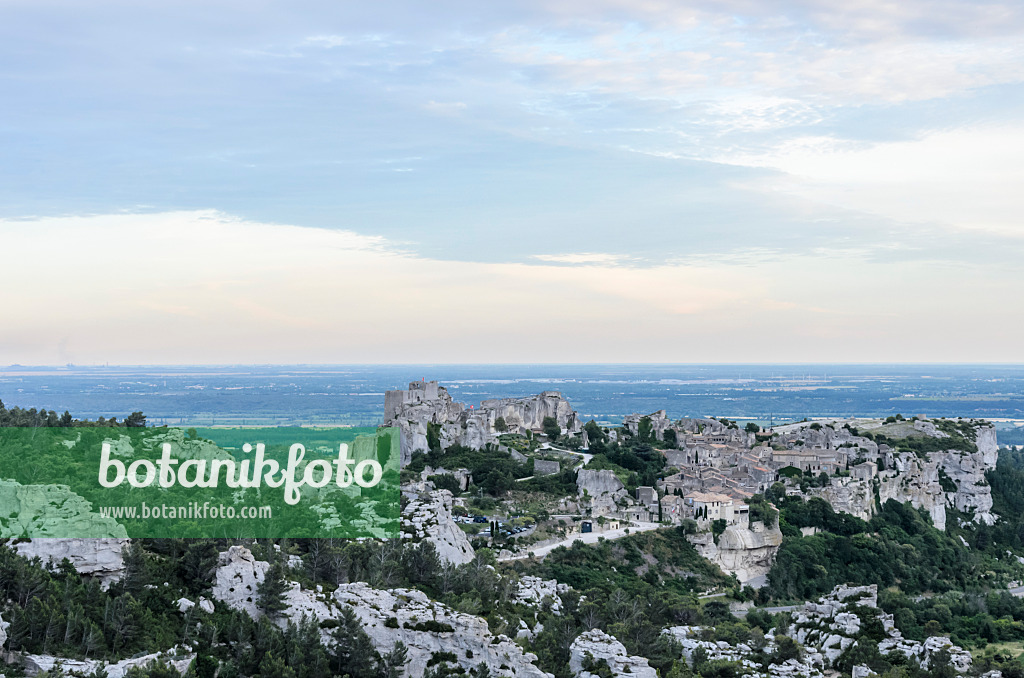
270,592
551,428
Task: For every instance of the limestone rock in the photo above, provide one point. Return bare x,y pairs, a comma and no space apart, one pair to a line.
98,558
430,519
36,664
51,511
596,645
602,488
747,552
848,495
810,666
238,576
534,591
422,625
426,404
830,626
237,580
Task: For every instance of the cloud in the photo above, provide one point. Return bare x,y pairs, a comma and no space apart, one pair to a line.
967,178
195,287
582,258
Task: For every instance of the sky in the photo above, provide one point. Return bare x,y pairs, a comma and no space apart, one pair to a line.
558,181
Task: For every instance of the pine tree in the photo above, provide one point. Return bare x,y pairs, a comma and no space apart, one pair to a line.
270,592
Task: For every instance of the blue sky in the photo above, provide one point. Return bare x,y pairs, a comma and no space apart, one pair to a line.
767,181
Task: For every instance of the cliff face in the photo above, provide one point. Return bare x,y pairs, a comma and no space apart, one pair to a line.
747,552
602,489
848,495
426,404
430,519
934,481
831,625
426,627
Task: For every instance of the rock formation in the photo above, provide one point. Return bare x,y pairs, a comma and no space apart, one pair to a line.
747,552
51,511
36,664
808,666
427,627
98,558
237,577
536,592
425,404
602,489
831,625
933,481
430,519
594,647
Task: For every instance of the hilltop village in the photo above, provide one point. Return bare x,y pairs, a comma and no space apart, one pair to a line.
712,475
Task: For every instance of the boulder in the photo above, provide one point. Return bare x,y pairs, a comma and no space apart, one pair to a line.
427,627
595,646
534,591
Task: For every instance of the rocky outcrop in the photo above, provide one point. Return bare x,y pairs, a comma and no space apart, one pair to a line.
98,558
595,648
602,489
848,495
429,519
934,481
809,665
184,605
425,404
747,552
3,632
659,423
238,576
427,627
36,664
536,592
528,414
236,584
387,616
51,511
832,624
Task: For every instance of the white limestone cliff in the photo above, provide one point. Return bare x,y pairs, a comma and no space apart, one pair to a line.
36,664
427,627
602,489
99,558
429,518
425,404
747,552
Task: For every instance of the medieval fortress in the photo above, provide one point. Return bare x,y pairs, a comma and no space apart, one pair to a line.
426,404
713,467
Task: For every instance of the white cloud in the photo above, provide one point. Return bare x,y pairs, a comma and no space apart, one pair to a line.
192,287
966,178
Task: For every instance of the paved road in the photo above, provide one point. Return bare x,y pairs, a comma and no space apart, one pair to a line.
587,538
1018,591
